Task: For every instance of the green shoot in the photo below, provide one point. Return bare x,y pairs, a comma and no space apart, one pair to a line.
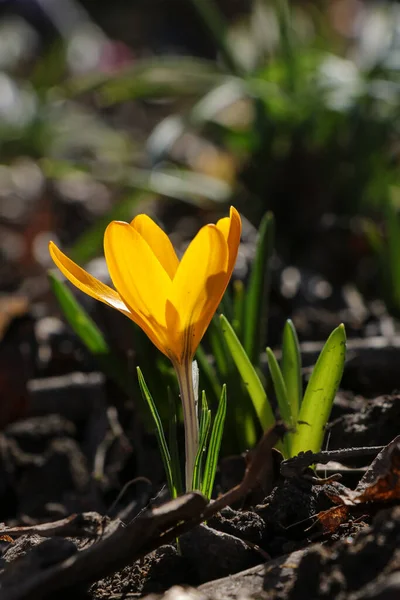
320,394
204,428
81,323
162,443
209,373
291,368
249,375
256,299
173,442
281,396
238,307
214,447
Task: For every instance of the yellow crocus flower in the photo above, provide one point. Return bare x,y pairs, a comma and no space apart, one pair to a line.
172,301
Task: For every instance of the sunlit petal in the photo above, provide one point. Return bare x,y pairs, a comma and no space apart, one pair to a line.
197,289
158,241
136,272
231,227
86,282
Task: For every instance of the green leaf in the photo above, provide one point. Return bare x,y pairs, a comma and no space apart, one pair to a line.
256,311
173,443
249,375
281,396
288,43
208,372
214,447
320,394
392,223
204,428
218,348
159,431
83,325
238,307
155,77
291,367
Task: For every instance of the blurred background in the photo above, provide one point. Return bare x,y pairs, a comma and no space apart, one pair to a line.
179,109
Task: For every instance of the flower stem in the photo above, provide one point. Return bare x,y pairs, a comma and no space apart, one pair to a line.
190,418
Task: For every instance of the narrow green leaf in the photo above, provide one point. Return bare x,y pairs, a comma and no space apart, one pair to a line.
249,375
279,387
287,42
392,223
82,324
226,305
208,372
214,447
255,326
149,78
173,443
204,428
320,394
281,396
238,307
159,431
218,347
291,367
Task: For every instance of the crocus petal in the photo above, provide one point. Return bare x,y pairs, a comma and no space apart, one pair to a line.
231,227
197,289
158,241
136,272
86,282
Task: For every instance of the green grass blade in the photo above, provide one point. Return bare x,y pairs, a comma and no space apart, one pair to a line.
173,443
279,387
204,428
291,368
287,42
162,443
226,305
320,394
214,447
82,324
255,326
218,348
209,374
392,223
249,375
238,307
281,397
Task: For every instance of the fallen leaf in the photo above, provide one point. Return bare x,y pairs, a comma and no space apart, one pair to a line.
380,484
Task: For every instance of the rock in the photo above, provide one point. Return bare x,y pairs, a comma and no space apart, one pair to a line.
355,568
213,554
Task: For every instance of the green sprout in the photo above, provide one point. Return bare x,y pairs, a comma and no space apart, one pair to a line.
306,416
